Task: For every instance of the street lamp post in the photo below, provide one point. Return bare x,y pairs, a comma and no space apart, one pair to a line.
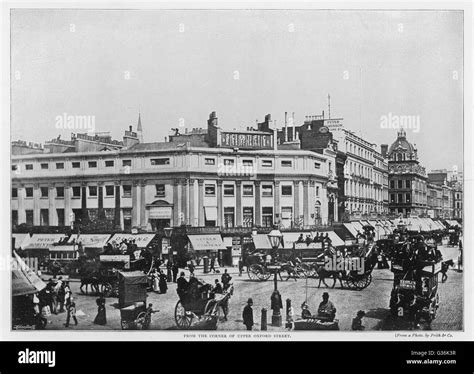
168,231
276,302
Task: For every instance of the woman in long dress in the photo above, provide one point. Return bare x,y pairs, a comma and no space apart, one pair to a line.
101,318
163,285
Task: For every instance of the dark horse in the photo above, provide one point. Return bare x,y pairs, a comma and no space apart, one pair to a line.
90,280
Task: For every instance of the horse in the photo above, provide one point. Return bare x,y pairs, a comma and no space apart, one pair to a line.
91,280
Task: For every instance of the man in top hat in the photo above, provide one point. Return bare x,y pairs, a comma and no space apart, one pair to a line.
357,321
247,314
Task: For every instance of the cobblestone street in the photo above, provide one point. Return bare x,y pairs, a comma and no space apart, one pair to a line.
373,300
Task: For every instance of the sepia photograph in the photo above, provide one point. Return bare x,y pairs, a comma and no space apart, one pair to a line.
260,171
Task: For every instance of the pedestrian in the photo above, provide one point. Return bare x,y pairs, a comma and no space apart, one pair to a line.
357,321
460,267
162,282
61,294
101,318
247,314
191,268
217,287
175,270
170,271
155,279
241,266
67,294
182,286
213,264
225,279
71,313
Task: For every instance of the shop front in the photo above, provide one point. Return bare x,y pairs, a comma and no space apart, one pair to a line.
207,245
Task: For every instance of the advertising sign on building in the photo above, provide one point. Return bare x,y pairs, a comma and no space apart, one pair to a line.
333,124
246,140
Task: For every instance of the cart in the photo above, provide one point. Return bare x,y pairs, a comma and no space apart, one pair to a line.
415,289
199,303
134,313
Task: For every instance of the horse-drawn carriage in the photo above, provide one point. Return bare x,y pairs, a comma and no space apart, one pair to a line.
199,302
257,267
134,312
415,287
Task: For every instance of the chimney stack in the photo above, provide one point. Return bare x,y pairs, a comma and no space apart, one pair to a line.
286,127
293,125
384,150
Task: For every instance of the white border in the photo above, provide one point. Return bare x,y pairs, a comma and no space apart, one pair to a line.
5,277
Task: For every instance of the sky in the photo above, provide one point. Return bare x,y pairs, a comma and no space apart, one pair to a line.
178,66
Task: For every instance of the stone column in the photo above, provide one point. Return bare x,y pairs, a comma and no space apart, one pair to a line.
117,219
276,197
143,223
176,203
67,204
135,204
36,206
306,203
52,216
258,206
191,201
201,218
296,194
238,203
21,204
85,216
100,203
184,201
220,203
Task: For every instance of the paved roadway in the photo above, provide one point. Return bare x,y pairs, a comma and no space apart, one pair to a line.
373,300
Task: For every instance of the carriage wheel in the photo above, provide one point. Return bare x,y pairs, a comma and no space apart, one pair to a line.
212,310
106,289
252,272
141,321
308,270
349,282
182,317
363,282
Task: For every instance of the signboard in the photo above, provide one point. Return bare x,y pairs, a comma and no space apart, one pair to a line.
160,212
116,258
318,245
333,124
246,140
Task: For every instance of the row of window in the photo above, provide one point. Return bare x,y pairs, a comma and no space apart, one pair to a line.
209,190
399,198
229,216
158,162
93,164
400,183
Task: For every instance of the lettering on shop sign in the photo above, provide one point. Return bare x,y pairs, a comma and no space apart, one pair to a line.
239,140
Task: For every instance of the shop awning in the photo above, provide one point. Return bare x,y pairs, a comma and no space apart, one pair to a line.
210,213
141,240
44,240
24,280
90,240
209,242
21,240
261,241
351,228
358,226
